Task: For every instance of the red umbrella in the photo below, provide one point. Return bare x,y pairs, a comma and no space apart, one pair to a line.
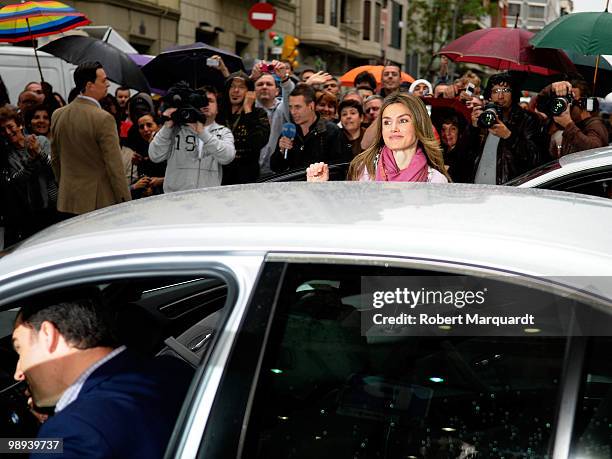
507,49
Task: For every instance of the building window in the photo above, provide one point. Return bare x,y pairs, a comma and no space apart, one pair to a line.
412,63
334,13
377,8
514,9
396,25
320,11
343,10
367,8
536,12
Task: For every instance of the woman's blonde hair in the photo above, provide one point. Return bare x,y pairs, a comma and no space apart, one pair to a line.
424,134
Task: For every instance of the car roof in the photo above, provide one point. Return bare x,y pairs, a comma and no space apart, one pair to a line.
520,230
599,156
568,164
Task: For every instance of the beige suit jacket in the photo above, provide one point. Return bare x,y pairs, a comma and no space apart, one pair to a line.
86,158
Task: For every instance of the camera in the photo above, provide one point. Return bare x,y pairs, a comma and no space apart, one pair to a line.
554,105
559,104
187,103
489,115
267,68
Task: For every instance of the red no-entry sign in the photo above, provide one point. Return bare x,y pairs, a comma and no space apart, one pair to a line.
262,16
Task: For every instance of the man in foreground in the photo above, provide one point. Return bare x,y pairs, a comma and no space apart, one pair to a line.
108,402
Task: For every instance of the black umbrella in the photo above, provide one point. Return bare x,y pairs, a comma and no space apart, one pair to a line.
118,66
188,63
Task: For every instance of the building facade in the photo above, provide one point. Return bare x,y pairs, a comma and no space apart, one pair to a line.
533,15
150,26
334,35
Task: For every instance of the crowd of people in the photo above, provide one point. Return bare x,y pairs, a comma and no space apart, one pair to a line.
63,159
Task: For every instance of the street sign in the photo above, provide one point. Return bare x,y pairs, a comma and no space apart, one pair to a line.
262,16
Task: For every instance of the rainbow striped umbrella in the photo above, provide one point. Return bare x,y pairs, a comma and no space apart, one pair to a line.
30,20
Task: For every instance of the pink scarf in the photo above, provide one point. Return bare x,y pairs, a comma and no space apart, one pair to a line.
387,170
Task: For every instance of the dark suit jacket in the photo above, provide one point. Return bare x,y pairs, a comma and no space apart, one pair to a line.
86,158
127,408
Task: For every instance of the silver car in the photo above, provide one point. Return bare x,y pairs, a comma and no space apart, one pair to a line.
270,292
586,172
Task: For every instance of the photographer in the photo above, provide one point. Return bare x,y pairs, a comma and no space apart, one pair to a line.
582,128
504,139
194,145
265,75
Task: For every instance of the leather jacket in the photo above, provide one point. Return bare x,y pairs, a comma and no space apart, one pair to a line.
519,153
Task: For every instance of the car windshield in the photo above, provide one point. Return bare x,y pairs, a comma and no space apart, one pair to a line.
541,170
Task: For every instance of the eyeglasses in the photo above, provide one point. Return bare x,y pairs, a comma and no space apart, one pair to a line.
501,91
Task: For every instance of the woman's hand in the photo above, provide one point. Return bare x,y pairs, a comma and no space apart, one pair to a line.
156,181
33,146
143,182
317,172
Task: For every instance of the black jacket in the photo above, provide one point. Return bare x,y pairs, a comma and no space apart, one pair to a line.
323,143
28,191
251,132
519,153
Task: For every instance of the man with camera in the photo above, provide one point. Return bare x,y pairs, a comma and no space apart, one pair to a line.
504,139
194,145
264,75
571,108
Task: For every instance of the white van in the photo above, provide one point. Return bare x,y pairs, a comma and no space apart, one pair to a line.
18,67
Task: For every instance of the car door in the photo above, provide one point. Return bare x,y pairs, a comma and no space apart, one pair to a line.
161,301
304,380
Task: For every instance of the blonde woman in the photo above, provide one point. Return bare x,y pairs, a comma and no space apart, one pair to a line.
404,147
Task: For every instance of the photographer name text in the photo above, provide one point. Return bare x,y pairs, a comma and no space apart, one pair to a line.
438,319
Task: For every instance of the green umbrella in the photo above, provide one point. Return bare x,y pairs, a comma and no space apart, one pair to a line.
585,33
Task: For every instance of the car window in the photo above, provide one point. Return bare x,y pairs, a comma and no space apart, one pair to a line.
540,170
7,319
163,315
593,423
590,184
326,390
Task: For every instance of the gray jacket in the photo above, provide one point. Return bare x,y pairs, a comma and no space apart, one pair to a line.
280,116
194,161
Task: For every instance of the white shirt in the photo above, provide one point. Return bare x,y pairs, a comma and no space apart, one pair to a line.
81,96
487,167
